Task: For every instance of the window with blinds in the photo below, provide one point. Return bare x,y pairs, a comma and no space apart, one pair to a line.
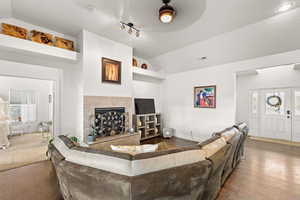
22,105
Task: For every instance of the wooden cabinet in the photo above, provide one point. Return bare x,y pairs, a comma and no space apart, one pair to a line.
148,125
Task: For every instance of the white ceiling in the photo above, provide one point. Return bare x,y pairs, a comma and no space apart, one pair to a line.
103,16
5,8
274,35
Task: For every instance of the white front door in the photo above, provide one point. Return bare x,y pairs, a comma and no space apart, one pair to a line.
275,114
296,115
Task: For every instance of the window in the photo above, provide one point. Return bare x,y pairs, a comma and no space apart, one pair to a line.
297,103
22,105
254,102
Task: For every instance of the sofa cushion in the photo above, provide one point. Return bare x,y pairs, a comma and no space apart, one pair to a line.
214,147
136,149
210,140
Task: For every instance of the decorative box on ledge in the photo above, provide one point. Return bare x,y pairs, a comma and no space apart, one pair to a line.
148,125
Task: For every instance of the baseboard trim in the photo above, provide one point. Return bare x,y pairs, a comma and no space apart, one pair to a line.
278,141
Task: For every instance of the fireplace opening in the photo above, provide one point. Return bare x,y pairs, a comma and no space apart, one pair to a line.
110,121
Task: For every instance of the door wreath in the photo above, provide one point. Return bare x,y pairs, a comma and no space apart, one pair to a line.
274,101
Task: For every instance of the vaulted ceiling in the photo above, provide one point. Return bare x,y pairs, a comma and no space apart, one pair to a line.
197,22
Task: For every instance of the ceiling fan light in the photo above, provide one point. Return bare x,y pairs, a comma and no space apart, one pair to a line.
166,14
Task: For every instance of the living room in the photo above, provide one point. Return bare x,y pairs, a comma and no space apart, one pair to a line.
128,75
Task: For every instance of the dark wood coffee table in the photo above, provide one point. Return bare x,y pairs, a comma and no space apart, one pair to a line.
170,143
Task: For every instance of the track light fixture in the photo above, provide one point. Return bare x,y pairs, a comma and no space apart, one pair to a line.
130,28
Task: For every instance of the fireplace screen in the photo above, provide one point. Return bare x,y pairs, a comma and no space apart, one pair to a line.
109,121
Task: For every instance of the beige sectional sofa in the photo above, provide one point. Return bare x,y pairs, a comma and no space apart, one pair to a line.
196,172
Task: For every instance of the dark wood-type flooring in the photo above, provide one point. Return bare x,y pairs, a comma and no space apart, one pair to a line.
268,172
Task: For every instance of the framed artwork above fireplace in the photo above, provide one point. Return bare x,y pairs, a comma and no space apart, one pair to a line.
111,71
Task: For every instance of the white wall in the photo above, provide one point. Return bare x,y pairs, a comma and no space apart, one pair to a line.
144,87
5,8
42,88
178,95
149,89
194,123
272,78
94,48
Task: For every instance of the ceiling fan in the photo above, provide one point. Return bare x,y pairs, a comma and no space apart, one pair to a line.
166,12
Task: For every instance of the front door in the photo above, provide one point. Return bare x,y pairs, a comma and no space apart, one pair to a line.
275,119
275,113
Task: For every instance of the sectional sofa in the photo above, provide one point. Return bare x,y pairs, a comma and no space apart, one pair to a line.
190,173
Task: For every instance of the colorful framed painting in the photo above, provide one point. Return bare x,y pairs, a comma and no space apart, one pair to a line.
205,96
111,71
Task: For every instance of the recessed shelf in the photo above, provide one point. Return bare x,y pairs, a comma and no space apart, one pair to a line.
139,73
27,47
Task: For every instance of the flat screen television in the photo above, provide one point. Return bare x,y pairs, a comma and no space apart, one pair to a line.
144,106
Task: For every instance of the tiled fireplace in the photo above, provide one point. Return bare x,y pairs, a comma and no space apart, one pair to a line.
108,110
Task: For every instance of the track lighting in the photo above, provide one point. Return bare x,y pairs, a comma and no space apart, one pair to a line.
130,28
122,26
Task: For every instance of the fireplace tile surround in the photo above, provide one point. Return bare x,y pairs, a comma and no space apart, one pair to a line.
93,102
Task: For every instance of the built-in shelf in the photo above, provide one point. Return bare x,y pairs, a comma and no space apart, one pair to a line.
27,47
139,73
148,125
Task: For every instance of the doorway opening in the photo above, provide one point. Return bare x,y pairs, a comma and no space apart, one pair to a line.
26,120
269,101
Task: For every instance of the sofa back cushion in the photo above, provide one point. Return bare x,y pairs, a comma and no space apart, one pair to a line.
242,127
213,147
229,133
